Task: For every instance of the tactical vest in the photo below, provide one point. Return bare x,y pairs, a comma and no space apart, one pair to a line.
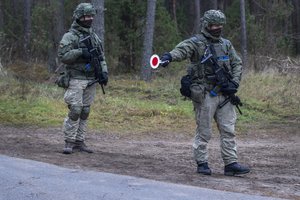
201,72
82,69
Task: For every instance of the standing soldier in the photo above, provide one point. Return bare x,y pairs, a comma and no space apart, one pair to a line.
212,84
75,52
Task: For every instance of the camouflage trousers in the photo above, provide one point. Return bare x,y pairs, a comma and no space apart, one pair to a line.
77,94
225,118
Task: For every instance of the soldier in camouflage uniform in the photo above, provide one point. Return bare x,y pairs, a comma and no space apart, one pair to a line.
79,94
206,105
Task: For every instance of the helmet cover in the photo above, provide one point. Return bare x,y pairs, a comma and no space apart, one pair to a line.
84,9
215,17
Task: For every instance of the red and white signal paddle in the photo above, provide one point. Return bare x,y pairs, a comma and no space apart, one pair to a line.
155,61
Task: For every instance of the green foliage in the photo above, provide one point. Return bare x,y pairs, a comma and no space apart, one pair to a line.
267,33
276,26
256,36
42,24
37,112
165,35
124,27
185,22
29,103
270,29
232,26
125,22
13,28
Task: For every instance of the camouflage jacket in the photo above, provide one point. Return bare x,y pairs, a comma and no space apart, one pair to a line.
194,48
70,52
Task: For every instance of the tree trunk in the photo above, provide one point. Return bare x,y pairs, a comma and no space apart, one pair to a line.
1,16
174,13
2,70
98,23
27,28
243,34
208,5
214,4
221,5
148,40
269,25
60,27
197,16
226,4
14,5
296,26
57,30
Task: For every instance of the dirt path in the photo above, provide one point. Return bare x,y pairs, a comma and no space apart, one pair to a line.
271,152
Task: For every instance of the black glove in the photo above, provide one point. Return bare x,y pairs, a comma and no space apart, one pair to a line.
86,54
235,100
230,88
165,59
104,78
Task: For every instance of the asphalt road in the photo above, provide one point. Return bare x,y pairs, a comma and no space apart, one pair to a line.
22,179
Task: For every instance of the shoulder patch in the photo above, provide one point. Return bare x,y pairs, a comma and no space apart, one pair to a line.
225,41
194,39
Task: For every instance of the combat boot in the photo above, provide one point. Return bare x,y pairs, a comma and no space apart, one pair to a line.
68,149
82,147
235,169
203,169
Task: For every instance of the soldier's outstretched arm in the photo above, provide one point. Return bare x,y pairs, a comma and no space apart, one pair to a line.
183,50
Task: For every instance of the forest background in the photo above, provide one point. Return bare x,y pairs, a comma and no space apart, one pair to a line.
142,126
266,34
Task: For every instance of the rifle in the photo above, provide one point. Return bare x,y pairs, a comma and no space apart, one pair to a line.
96,58
221,76
235,100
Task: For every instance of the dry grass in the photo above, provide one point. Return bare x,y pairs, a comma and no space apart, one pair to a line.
272,93
133,106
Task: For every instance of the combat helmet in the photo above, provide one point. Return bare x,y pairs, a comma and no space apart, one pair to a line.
84,9
213,17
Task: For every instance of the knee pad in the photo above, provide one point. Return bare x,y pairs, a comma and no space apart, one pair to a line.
75,112
85,112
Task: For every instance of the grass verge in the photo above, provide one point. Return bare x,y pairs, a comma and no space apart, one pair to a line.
134,106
